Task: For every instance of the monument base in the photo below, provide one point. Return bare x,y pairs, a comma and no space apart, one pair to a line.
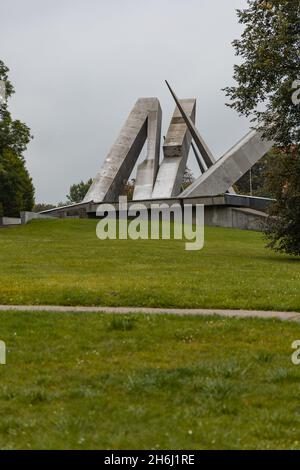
226,210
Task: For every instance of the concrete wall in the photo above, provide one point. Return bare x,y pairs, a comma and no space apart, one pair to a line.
27,216
10,221
227,210
233,217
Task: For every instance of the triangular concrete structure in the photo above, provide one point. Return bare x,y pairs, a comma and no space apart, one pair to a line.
143,121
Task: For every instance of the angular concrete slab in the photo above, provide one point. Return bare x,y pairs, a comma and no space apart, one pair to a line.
120,161
199,141
176,149
147,170
231,167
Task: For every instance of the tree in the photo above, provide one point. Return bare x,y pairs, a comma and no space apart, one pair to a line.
266,78
16,188
254,182
39,207
270,47
283,228
78,191
14,135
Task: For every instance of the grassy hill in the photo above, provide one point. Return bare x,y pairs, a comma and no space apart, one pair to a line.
62,262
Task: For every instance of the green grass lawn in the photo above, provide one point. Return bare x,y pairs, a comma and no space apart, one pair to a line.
91,381
62,262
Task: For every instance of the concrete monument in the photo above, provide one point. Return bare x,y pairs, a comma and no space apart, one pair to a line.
162,181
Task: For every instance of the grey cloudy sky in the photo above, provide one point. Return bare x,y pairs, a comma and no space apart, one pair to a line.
78,67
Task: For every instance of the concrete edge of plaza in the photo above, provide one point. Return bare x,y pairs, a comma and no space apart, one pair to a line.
224,210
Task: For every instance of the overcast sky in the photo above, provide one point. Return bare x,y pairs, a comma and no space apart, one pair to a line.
78,67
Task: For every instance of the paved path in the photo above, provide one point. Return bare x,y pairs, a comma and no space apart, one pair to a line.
292,316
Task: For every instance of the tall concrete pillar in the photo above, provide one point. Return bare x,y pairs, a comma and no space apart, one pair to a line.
145,117
176,150
147,170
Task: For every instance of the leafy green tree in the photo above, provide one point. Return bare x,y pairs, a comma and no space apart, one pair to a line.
78,191
16,188
254,182
269,48
14,134
39,207
283,181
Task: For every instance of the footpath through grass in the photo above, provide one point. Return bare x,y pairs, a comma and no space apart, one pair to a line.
61,262
90,381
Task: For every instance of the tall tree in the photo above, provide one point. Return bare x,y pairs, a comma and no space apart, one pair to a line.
269,47
265,91
283,181
14,134
16,188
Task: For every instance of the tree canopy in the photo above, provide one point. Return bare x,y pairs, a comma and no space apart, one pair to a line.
78,191
14,134
269,48
283,228
265,90
16,188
